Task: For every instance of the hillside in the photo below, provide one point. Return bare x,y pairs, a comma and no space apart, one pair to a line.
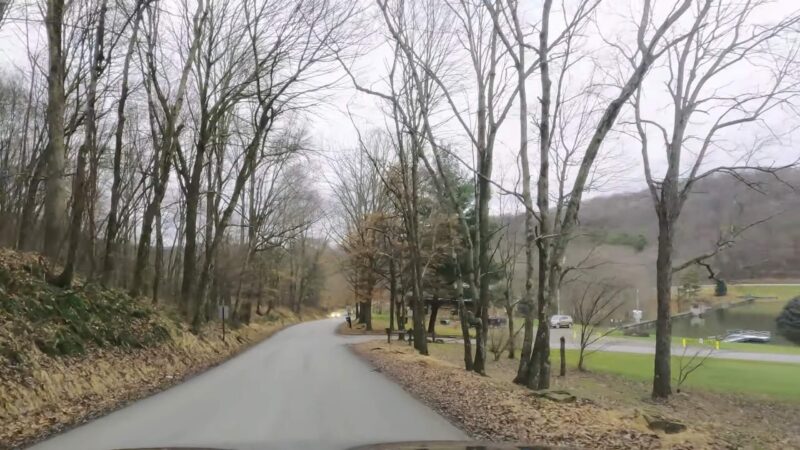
619,234
69,355
40,320
769,251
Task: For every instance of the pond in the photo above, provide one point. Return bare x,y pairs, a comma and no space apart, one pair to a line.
718,322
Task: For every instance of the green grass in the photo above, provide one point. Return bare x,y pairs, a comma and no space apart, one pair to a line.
775,380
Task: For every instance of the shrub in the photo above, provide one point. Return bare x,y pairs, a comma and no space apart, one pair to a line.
638,242
721,289
789,321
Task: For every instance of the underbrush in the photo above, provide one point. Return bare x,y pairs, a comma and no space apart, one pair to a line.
38,319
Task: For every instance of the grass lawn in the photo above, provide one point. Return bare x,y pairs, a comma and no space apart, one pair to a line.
754,378
758,378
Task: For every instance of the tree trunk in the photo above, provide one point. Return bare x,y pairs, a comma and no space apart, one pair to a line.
432,319
55,204
159,260
662,371
530,226
112,228
511,343
366,314
89,147
78,205
163,158
539,366
484,262
392,294
26,222
189,279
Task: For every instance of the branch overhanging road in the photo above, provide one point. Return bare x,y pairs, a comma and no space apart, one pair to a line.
302,388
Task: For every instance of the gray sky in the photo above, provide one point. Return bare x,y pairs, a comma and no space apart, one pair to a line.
332,127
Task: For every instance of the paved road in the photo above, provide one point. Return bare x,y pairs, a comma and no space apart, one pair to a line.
302,388
648,347
645,346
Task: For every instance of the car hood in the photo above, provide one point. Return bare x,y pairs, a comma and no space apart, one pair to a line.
416,445
454,445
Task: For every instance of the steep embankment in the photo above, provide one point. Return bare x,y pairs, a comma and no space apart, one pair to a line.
69,355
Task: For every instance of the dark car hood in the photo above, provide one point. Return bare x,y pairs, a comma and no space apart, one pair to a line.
416,445
454,445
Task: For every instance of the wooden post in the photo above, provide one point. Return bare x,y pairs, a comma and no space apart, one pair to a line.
563,357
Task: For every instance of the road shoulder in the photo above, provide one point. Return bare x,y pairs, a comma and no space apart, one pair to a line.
497,410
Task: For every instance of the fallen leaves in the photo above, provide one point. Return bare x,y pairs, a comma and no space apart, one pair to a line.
497,410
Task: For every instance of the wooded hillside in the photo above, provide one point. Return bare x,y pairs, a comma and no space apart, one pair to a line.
769,251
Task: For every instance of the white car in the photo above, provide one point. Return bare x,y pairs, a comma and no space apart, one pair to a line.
561,321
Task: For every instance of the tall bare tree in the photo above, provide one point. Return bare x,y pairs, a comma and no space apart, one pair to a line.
113,220
55,153
80,189
363,201
555,233
721,39
165,116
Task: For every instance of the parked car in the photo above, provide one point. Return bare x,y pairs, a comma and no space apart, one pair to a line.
561,321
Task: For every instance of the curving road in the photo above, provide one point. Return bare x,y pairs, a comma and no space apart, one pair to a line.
300,389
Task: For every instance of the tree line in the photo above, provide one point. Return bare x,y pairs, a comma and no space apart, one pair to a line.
163,148
575,81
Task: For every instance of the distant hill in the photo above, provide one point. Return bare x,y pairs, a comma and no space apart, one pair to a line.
769,250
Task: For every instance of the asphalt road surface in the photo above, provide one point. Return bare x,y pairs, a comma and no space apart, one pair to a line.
647,346
300,389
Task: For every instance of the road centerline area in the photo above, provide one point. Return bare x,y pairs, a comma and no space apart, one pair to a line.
302,388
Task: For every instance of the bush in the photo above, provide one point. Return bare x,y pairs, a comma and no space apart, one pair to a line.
498,341
789,321
721,289
638,242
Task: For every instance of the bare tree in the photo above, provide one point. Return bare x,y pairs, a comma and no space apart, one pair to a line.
721,38
56,183
113,221
480,44
165,109
598,303
688,365
364,202
552,240
80,189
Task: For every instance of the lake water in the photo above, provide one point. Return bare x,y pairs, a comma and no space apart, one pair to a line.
718,322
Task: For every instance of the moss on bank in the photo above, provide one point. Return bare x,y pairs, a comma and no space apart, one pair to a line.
39,318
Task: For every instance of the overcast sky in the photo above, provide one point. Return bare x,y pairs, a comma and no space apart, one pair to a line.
332,128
